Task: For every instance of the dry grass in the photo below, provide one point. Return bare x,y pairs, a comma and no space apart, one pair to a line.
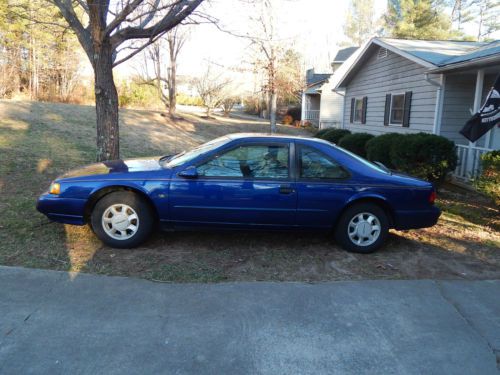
38,141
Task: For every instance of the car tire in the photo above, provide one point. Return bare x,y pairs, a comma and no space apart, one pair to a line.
122,219
362,228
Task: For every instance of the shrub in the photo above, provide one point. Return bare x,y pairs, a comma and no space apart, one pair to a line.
184,99
321,133
489,181
427,156
379,148
332,134
295,112
356,143
287,120
132,94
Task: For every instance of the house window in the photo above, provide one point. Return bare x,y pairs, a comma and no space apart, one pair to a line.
358,110
397,108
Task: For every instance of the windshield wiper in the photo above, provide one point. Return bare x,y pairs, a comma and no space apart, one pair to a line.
171,156
381,165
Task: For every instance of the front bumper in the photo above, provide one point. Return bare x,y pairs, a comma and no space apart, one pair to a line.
62,210
416,219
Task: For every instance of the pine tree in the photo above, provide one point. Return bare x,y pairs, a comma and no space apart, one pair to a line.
418,19
487,17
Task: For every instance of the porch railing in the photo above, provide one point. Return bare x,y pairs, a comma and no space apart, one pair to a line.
469,161
312,115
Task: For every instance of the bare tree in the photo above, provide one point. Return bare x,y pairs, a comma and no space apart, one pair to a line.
228,104
212,89
164,77
267,47
266,42
360,21
102,31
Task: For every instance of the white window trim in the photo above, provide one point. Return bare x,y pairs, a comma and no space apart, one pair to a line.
390,110
354,121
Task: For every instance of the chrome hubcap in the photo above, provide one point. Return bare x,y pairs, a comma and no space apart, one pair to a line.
364,229
120,221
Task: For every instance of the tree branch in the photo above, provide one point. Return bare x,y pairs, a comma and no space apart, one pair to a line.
173,18
81,32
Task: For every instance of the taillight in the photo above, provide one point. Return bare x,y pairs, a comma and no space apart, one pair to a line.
432,197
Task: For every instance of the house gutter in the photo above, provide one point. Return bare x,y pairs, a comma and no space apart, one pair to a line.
438,109
469,64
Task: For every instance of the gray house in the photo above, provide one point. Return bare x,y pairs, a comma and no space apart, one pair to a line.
322,106
411,86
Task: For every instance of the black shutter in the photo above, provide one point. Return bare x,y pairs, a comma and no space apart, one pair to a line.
406,113
387,113
363,111
352,110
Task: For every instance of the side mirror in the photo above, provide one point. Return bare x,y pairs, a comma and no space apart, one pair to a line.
189,172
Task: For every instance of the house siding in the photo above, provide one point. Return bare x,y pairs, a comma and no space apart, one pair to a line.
458,101
391,74
331,108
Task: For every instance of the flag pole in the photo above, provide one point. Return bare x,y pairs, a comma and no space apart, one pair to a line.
478,94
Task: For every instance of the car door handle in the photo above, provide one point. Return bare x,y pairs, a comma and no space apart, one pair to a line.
286,189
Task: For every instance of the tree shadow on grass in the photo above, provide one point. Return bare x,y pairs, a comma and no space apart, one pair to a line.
37,147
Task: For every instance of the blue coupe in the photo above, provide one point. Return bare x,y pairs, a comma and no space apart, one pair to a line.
244,181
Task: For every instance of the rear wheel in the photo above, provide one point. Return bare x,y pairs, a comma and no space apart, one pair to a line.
122,219
362,228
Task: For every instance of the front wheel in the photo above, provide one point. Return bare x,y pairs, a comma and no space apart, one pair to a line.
122,219
362,228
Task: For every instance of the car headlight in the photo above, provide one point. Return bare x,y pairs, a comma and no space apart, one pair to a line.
55,188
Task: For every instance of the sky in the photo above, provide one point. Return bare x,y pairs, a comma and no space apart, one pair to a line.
312,27
315,28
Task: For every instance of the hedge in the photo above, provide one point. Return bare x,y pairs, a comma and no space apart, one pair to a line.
332,134
423,155
356,143
379,148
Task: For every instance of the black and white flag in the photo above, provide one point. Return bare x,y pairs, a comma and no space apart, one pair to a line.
487,117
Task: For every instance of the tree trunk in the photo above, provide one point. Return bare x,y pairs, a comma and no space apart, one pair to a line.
172,88
172,92
106,105
272,112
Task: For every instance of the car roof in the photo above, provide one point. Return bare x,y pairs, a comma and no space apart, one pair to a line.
270,136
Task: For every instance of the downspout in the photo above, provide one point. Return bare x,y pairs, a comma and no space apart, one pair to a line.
436,126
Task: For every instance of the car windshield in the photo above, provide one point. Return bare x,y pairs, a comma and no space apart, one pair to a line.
186,156
366,162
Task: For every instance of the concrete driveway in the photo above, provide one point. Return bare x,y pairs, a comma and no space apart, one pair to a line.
55,322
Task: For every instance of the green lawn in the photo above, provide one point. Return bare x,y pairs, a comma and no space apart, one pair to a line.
39,141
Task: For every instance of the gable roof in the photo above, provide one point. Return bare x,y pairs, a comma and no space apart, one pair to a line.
436,55
343,54
317,78
435,52
314,88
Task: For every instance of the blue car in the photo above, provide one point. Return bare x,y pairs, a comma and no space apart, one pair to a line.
244,181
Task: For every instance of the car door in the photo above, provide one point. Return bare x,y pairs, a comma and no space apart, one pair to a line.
322,186
246,185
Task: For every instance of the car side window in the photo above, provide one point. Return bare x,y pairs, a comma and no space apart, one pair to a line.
255,161
315,165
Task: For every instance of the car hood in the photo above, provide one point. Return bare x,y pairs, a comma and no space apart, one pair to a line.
116,166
